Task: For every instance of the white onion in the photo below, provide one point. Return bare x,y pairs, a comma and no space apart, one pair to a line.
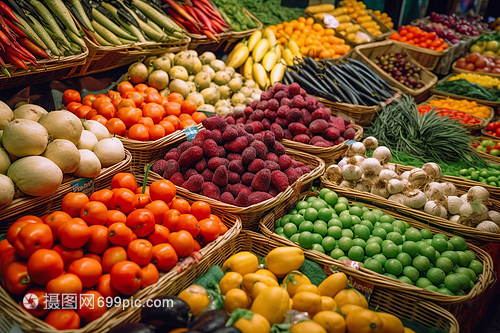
371,143
434,191
415,199
395,186
371,166
387,175
352,172
432,169
478,193
454,203
382,154
356,148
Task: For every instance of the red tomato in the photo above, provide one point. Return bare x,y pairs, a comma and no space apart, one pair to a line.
73,234
126,277
41,309
142,221
120,234
98,242
182,242
94,308
123,200
45,265
65,284
150,275
32,237
140,251
88,270
106,288
164,257
159,235
112,256
63,319
16,278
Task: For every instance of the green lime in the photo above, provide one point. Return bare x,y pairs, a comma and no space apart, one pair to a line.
318,221
343,258
369,216
436,275
476,266
440,235
379,232
302,205
345,243
356,253
390,250
393,266
413,234
463,259
344,200
311,214
325,214
377,225
317,238
426,233
306,226
296,219
317,205
347,233
411,248
334,232
387,241
421,263
359,242
328,243
372,249
396,229
445,264
412,273
471,254
295,238
378,213
381,258
439,244
355,210
290,229
405,280
306,239
367,224
445,291
387,227
331,198
404,259
467,271
302,212
335,223
361,231
450,247
428,241
453,282
386,219
323,192
391,275
458,243
311,199
340,207
337,253
320,228
344,212
465,280
355,219
429,252
293,211
277,223
395,237
279,230
432,288
375,239
400,247
399,224
285,219
346,221
423,282
318,247
374,265
452,255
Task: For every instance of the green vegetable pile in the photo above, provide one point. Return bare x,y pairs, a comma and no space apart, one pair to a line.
426,137
465,88
235,17
270,12
350,231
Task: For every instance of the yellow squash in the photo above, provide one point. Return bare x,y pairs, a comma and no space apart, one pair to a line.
294,48
391,323
277,73
333,284
231,280
238,58
254,39
257,289
250,279
196,297
288,56
252,323
247,69
259,76
307,326
235,49
364,321
278,49
260,50
269,35
269,60
320,8
272,303
283,260
236,299
340,11
293,280
307,302
350,296
267,272
328,304
241,262
331,321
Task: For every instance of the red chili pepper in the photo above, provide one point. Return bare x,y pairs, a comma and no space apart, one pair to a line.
32,47
6,29
7,12
179,23
13,59
190,11
210,35
217,26
21,52
206,5
204,19
182,12
15,29
191,28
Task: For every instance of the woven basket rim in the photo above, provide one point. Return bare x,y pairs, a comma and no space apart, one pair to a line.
137,45
457,70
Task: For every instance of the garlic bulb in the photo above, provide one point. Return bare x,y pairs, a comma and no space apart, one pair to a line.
405,175
435,209
382,154
362,186
405,182
387,175
415,199
463,197
380,189
434,191
371,143
478,193
355,149
454,204
371,166
399,198
474,211
395,186
449,189
352,172
334,174
355,160
417,177
342,163
494,216
347,184
389,166
433,170
488,226
455,219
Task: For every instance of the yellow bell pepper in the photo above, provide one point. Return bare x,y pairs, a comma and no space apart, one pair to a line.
196,297
257,289
328,304
364,321
391,323
333,284
350,296
242,263
348,308
249,322
267,272
230,281
250,279
307,287
307,302
293,280
307,326
331,321
236,299
272,303
283,260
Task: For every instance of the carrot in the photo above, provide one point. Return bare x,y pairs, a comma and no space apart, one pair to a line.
182,12
210,35
15,29
32,47
13,59
7,12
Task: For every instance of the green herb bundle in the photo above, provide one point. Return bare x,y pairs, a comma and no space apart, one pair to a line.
270,12
465,88
233,14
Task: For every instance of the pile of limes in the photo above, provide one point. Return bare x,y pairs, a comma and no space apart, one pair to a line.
331,225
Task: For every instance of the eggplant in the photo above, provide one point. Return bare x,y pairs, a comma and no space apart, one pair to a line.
131,328
230,329
174,314
209,321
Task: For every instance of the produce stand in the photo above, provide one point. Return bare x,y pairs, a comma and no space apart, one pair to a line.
493,104
457,70
427,58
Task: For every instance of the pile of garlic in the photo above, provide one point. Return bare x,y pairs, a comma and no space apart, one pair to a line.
418,189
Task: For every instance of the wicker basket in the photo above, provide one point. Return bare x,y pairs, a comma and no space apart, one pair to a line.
328,155
267,224
48,70
250,216
42,205
425,57
472,234
144,152
488,157
479,101
103,58
367,53
472,128
15,314
361,115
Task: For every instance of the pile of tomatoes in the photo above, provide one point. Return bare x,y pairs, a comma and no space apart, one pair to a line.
493,129
109,245
453,114
139,113
418,37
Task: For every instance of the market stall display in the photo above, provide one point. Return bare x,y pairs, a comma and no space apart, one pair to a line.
486,45
474,87
357,11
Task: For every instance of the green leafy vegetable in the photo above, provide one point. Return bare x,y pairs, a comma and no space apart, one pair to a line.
465,88
270,12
